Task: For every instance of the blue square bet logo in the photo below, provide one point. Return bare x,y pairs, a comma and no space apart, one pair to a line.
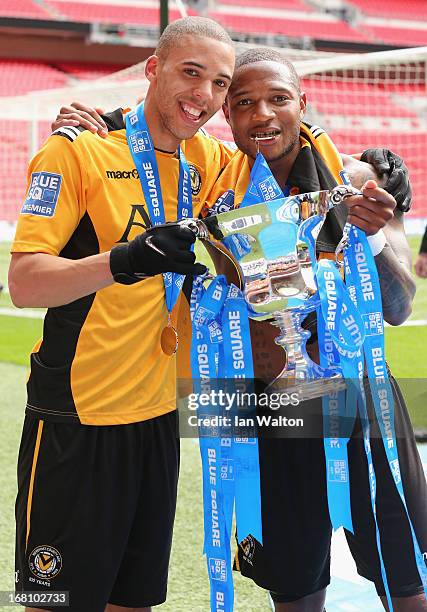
140,142
269,190
43,194
218,569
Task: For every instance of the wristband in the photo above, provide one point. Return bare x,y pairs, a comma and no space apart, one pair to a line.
377,242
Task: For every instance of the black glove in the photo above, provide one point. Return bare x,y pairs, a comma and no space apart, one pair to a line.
386,162
135,260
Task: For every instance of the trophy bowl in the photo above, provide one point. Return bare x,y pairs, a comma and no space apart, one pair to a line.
272,246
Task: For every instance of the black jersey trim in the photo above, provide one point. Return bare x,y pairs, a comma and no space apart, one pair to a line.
114,120
49,386
70,132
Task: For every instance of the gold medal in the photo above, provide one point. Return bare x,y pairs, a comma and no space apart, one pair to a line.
169,339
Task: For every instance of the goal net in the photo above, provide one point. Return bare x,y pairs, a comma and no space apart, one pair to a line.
361,100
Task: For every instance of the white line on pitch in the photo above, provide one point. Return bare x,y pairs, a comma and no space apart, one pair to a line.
39,314
416,323
25,314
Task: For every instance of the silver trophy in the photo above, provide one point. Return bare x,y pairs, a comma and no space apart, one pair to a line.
272,247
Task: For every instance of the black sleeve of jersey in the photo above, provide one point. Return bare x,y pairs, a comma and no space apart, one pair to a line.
114,120
423,247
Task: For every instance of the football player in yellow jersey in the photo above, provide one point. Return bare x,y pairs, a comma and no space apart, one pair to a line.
99,456
265,104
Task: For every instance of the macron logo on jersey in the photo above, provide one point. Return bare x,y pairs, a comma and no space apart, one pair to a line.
43,194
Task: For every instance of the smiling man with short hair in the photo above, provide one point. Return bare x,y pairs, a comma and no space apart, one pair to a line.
99,457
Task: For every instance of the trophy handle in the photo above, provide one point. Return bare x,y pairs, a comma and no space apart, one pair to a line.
224,262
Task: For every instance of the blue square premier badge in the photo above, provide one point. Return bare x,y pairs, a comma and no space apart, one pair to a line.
43,194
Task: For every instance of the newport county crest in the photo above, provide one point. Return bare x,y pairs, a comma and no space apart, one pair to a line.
248,549
45,562
196,179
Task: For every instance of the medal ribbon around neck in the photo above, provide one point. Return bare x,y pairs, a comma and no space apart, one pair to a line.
144,157
263,186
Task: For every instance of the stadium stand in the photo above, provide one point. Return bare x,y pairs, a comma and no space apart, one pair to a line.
14,156
409,9
15,138
394,35
84,72
403,143
23,8
229,13
291,5
326,29
21,77
290,18
350,99
111,13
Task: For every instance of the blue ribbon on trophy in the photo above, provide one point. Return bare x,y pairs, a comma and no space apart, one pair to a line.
218,500
363,284
273,240
221,347
339,348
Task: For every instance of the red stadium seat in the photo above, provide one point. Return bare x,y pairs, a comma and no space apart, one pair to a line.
406,144
415,10
85,72
110,13
21,77
23,8
407,37
327,30
357,99
289,5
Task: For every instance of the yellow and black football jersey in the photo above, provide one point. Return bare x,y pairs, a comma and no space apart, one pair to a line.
99,361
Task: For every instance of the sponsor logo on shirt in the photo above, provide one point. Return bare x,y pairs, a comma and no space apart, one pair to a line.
122,174
43,194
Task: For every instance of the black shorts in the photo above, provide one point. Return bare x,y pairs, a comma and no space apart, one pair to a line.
95,511
294,560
